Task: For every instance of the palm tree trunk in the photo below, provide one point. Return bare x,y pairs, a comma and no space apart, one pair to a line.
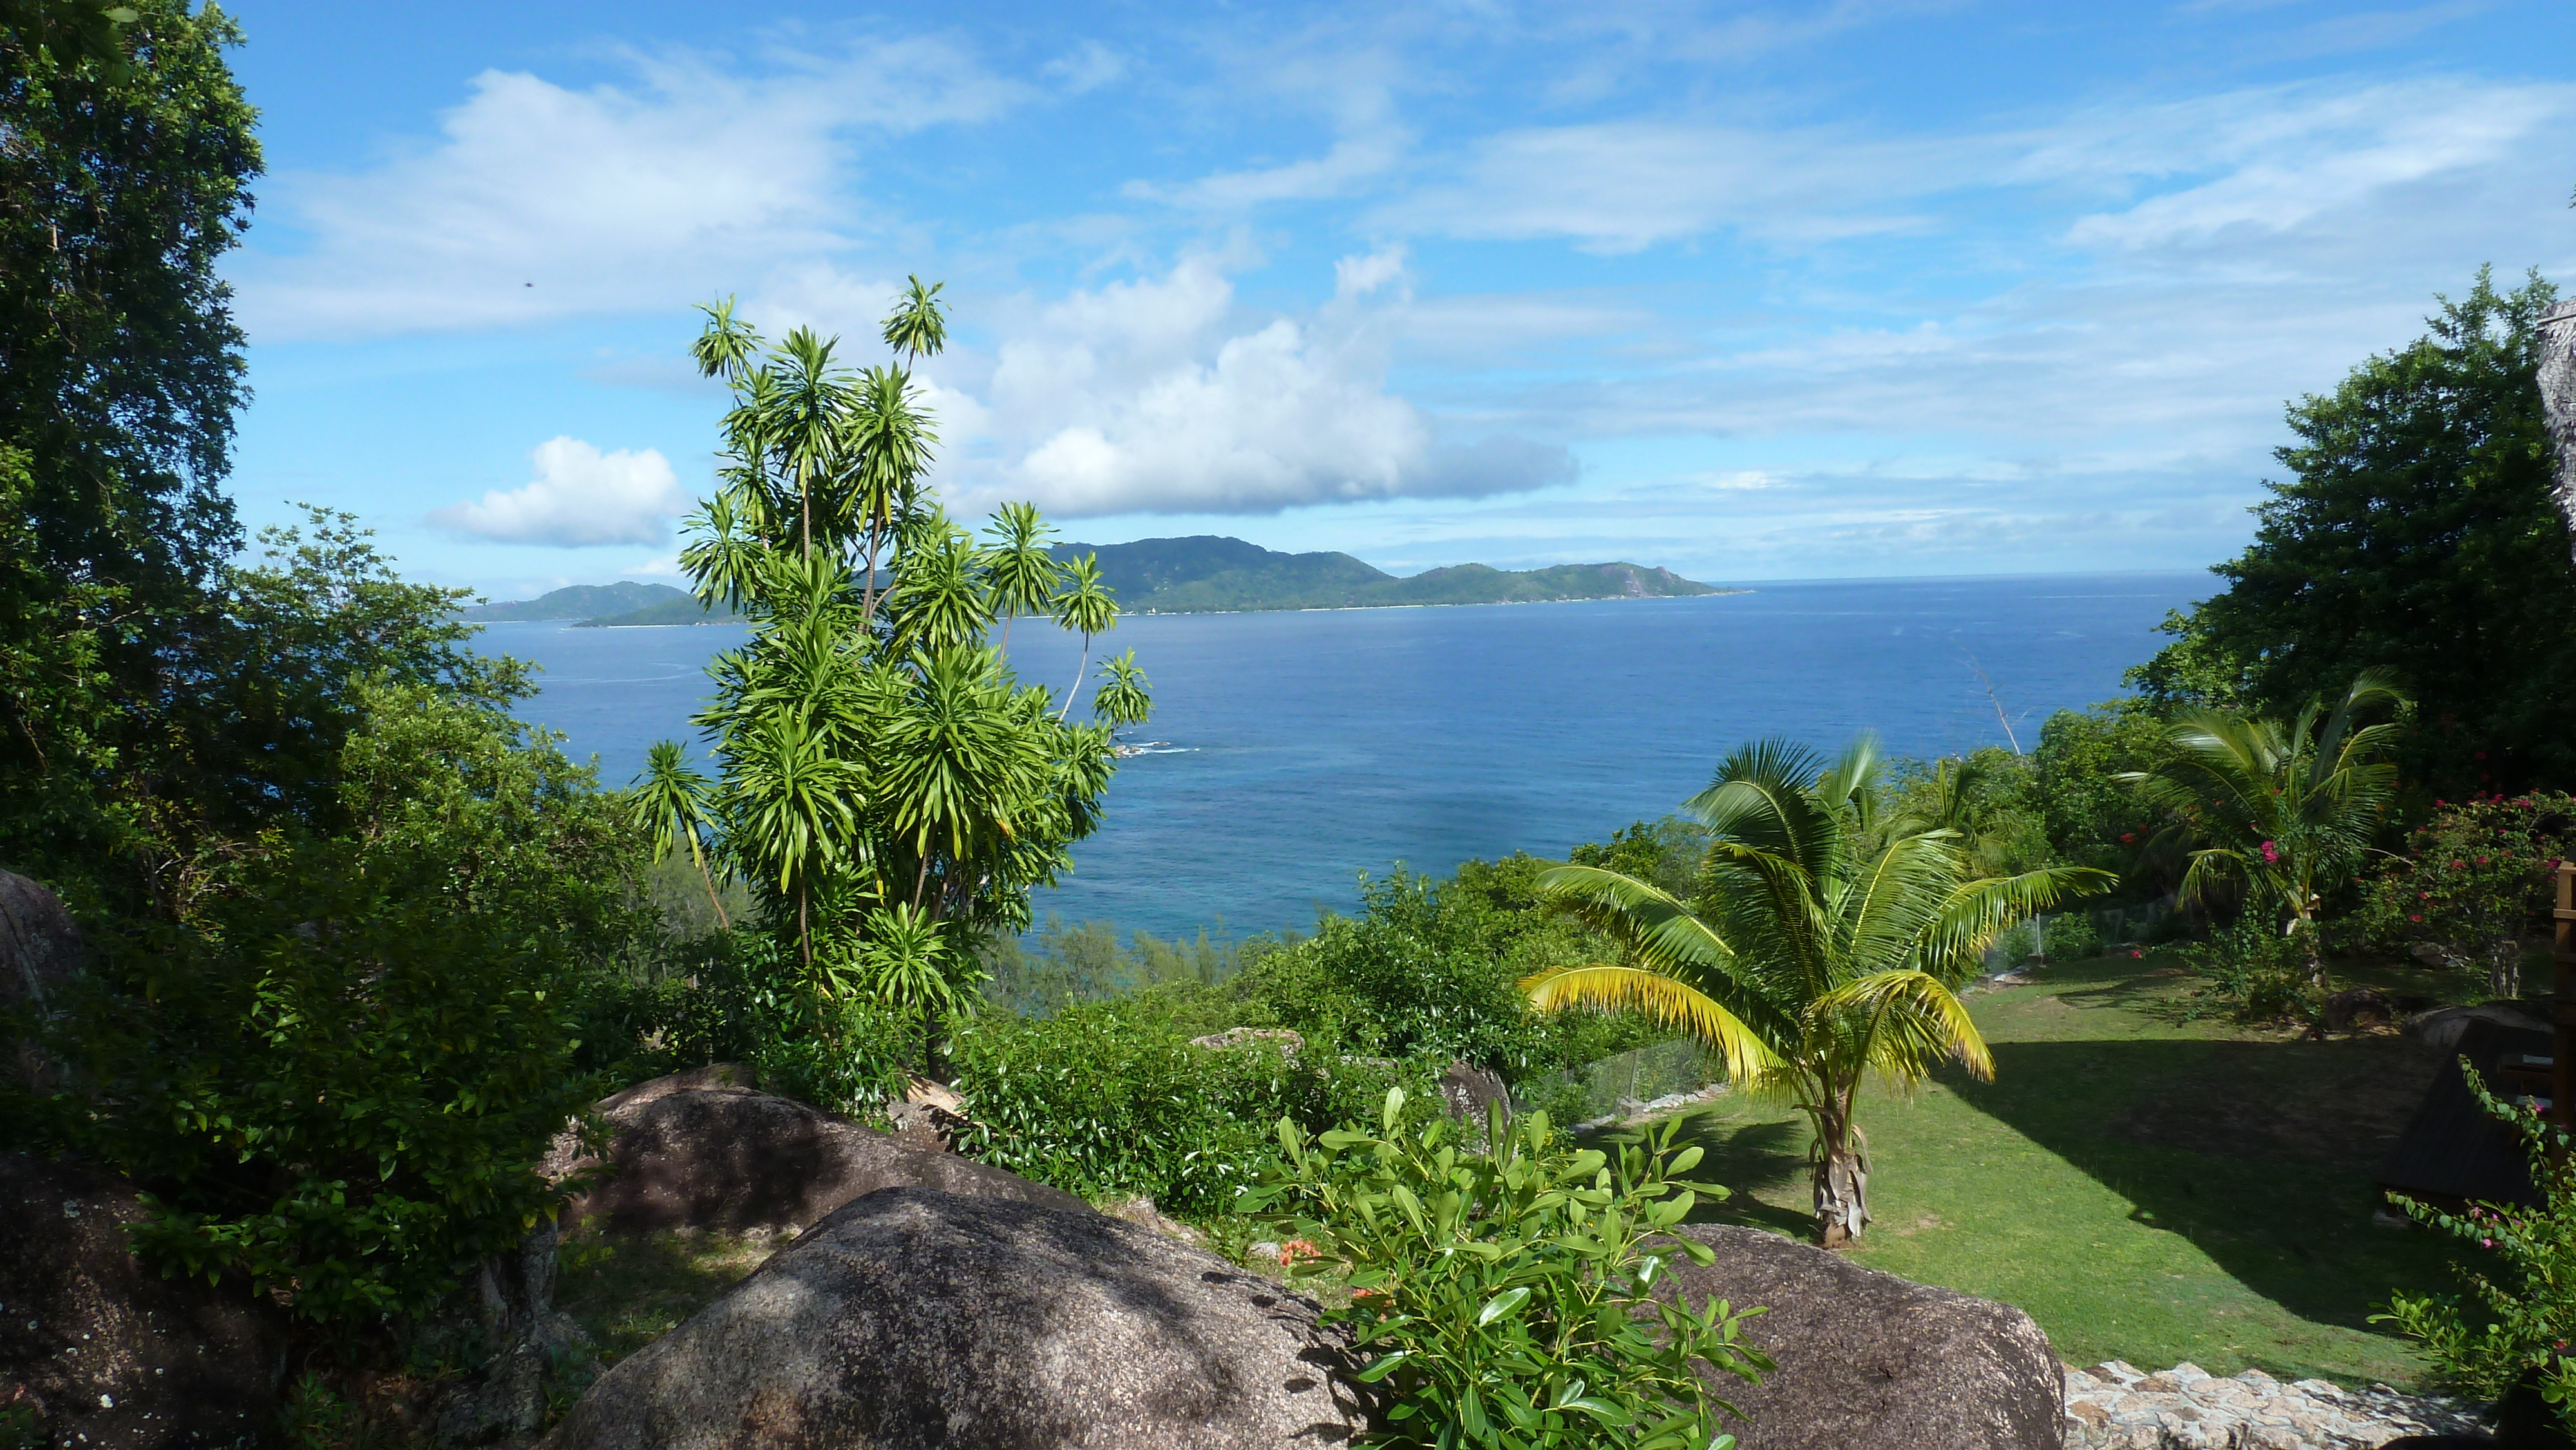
1076,689
868,591
709,877
1840,1165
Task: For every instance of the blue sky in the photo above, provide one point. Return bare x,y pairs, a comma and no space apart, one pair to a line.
1749,291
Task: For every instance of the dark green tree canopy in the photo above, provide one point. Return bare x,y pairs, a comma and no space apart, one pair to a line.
2416,533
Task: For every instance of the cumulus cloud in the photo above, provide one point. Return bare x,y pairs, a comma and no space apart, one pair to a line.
1155,395
580,496
539,201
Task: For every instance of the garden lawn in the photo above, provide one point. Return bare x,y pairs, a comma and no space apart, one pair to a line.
2147,1188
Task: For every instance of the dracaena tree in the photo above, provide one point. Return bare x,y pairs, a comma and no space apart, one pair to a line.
887,786
1827,945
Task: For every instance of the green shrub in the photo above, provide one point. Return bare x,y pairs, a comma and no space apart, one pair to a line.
1100,1104
2072,937
2252,973
2471,882
2518,1330
336,1076
1505,1297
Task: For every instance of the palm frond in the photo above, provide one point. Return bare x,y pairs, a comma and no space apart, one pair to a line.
1977,912
1913,1019
1666,999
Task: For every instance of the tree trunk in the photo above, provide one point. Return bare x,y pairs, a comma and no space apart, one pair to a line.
1078,673
1841,1168
709,877
2504,968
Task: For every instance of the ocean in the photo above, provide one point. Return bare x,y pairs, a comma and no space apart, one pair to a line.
1292,751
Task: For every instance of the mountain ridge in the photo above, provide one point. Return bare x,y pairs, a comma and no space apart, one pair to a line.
1213,573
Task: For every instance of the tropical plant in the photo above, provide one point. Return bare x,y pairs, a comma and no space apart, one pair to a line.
2416,528
2472,880
1828,943
884,781
2515,1333
2284,811
1084,604
1506,1299
671,801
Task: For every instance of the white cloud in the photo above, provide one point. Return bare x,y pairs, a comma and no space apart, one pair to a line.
1154,395
1086,67
539,201
580,496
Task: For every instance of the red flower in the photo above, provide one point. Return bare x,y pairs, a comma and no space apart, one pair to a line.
2417,917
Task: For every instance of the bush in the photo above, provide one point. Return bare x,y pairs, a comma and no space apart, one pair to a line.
336,1076
2472,880
2518,1331
1505,1297
1433,969
2252,973
1101,1104
2072,937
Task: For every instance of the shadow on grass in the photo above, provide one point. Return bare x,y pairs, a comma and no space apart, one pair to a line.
2259,1153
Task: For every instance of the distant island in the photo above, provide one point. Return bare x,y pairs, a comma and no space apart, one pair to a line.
602,606
1208,574
1204,574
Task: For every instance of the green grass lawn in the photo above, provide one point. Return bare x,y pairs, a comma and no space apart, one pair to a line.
2146,1188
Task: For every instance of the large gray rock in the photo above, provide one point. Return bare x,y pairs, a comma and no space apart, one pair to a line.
1869,1361
913,1318
700,1151
108,1351
40,952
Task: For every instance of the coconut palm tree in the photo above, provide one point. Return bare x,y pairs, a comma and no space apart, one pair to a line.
2286,811
1828,945
672,802
1084,603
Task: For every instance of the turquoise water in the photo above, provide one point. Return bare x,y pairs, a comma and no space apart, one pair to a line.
1300,749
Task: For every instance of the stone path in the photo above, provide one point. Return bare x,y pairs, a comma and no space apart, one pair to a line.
2116,1407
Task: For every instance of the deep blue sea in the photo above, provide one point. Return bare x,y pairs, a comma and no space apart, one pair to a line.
1303,748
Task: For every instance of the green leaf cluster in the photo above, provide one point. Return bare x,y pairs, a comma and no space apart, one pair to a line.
335,1078
2416,532
2515,1326
1103,1101
2472,880
884,781
1506,1299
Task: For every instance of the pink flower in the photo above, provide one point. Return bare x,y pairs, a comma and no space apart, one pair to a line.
2419,916
2271,853
2486,1243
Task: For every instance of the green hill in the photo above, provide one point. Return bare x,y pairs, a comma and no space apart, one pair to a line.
683,609
1206,574
581,601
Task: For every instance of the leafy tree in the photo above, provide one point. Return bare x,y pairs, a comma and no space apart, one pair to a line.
2472,879
2417,534
1983,798
2285,811
2089,812
337,1078
122,184
884,780
1829,943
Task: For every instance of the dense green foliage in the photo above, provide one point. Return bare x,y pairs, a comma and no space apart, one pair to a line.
1430,968
888,787
2281,812
124,185
1106,1102
1505,1297
2516,1328
337,1076
1206,574
2416,534
1832,933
